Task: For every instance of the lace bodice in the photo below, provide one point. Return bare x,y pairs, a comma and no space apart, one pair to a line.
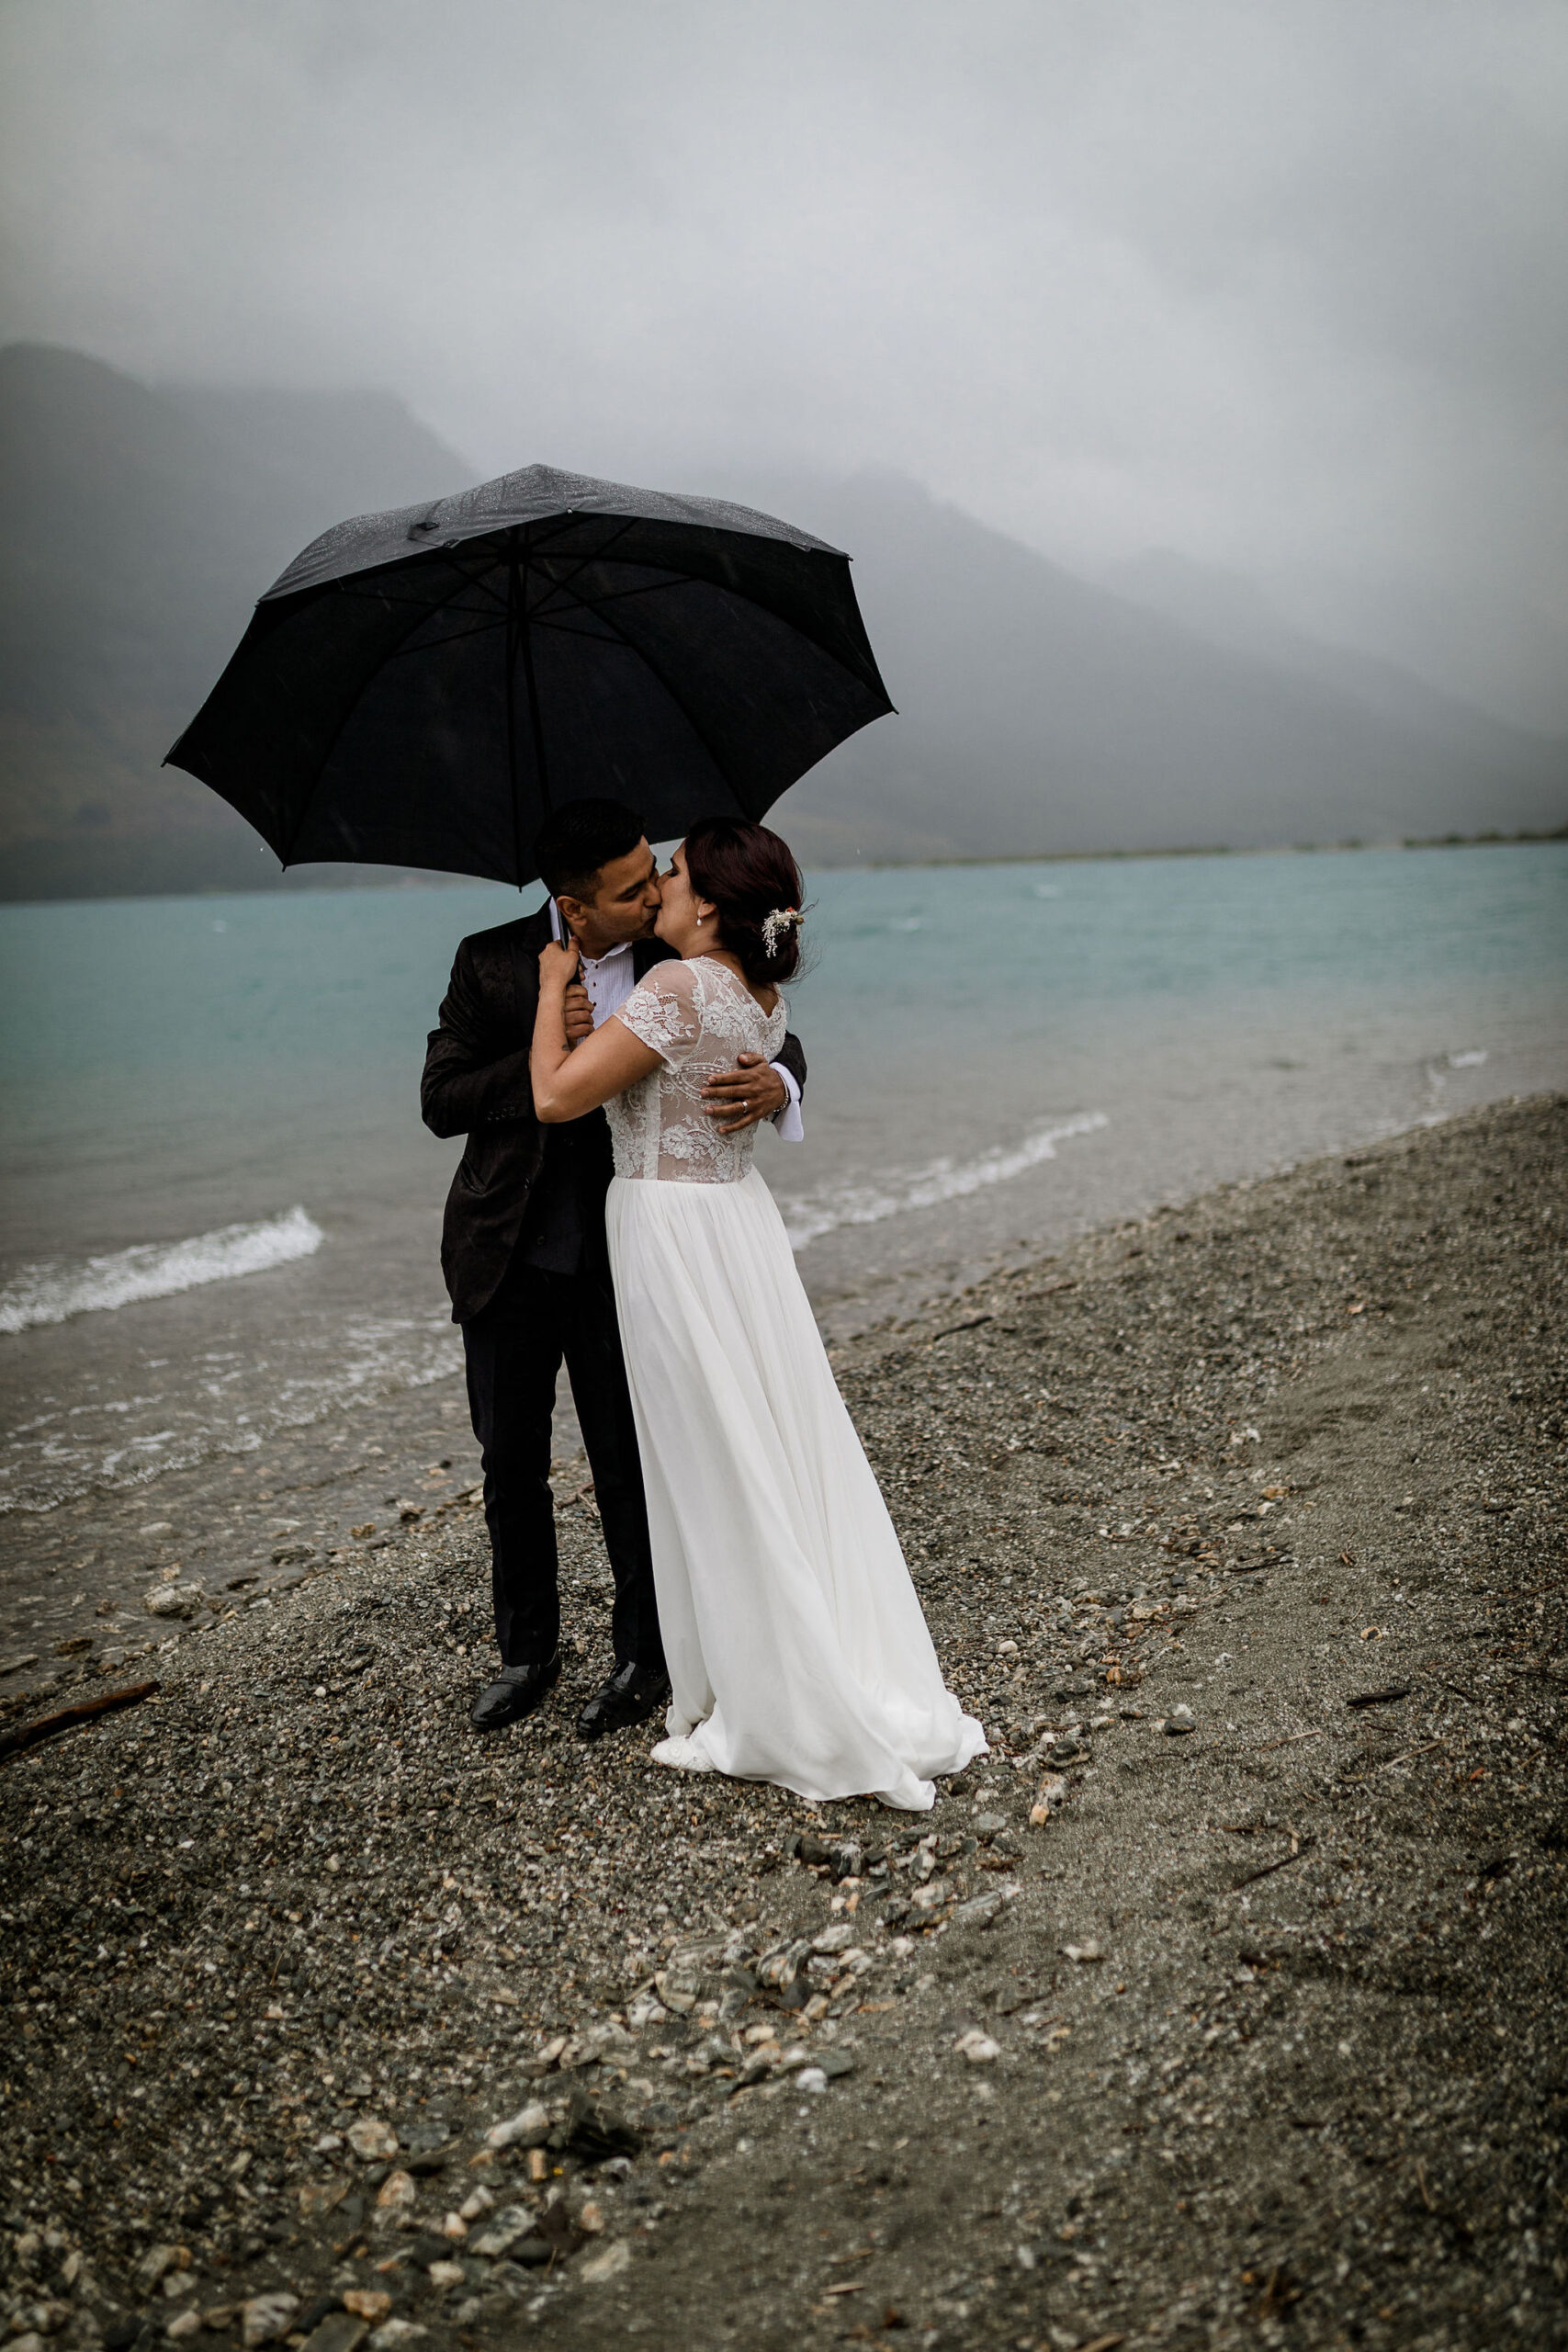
697,1017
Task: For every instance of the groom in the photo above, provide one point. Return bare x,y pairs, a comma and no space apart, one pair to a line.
526,1260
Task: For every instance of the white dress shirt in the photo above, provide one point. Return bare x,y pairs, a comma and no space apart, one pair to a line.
610,980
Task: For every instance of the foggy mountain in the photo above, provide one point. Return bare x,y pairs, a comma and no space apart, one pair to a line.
141,527
1228,609
1039,712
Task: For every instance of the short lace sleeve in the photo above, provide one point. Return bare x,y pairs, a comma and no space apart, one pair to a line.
662,1011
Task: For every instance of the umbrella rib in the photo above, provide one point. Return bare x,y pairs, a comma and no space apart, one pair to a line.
472,578
685,579
337,736
614,595
681,579
680,704
455,637
576,566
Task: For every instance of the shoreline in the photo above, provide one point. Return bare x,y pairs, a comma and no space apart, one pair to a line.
1241,1526
236,1524
372,1473
404,879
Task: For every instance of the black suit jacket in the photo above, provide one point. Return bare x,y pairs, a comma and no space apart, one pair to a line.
476,1084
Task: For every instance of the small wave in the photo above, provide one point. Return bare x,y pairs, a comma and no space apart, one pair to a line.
48,1294
1467,1061
321,1367
922,1188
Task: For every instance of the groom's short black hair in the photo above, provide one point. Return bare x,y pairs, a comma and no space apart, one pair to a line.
579,839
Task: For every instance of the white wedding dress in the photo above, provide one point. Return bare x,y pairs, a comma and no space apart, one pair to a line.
797,1648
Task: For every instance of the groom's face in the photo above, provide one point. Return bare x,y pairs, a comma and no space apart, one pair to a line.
624,906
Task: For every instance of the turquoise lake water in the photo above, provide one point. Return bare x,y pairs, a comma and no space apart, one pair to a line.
999,1056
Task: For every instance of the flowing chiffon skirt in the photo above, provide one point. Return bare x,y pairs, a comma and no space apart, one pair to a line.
796,1646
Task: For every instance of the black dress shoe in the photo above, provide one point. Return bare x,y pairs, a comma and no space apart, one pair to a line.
630,1696
516,1693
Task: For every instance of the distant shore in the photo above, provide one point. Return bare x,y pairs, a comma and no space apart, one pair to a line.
1205,849
363,878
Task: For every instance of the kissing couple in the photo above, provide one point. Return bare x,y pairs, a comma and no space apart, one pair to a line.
608,1060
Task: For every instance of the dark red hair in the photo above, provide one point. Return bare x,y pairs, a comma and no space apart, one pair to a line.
748,874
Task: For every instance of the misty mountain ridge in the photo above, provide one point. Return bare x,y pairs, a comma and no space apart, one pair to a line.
1227,608
1040,712
1044,713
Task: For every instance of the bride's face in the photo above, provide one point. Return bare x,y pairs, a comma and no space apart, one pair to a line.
687,922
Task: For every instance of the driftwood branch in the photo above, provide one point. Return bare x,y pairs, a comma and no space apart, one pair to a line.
12,1742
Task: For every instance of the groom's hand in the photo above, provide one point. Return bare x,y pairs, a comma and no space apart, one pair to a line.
579,1013
738,1098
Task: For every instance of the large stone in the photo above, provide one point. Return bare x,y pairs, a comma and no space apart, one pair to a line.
370,2138
977,2047
528,2129
176,1601
339,2332
372,2303
611,2262
678,1988
156,2263
778,1968
595,2133
318,2197
266,2317
834,1939
501,2232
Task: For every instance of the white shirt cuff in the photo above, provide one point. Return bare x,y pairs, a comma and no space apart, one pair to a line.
788,1122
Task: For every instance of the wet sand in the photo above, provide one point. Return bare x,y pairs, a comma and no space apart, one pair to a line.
1242,1527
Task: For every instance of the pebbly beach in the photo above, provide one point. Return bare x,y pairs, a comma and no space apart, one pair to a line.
1220,2004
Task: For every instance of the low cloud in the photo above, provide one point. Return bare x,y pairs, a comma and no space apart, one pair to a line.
1281,289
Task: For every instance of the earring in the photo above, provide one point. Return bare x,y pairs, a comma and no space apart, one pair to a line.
700,920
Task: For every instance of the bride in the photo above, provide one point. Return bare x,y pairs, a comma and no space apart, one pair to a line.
797,1648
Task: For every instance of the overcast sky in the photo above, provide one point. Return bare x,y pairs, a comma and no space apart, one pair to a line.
1282,287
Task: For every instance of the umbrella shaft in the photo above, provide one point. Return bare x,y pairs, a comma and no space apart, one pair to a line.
520,651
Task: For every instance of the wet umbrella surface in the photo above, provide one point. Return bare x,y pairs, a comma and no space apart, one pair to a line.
421,688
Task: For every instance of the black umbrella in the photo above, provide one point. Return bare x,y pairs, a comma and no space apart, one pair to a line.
421,688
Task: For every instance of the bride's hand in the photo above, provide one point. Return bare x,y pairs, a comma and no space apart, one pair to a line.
557,967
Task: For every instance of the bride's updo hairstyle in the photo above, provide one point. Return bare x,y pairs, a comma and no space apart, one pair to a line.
749,874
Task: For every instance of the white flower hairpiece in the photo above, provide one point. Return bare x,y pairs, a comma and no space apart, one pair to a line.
774,926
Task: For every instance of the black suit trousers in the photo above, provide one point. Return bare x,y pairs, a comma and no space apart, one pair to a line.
514,1348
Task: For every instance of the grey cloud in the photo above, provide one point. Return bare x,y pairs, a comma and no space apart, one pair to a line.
1282,288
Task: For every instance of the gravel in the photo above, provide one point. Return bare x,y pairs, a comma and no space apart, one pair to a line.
1221,2003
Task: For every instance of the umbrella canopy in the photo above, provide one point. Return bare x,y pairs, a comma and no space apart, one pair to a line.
423,688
